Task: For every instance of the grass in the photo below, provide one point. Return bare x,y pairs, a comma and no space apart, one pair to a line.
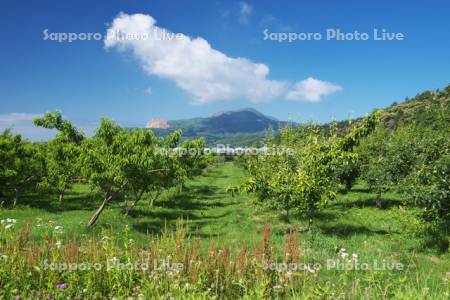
217,220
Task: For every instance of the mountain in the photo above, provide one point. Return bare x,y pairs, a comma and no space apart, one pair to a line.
238,127
426,109
246,127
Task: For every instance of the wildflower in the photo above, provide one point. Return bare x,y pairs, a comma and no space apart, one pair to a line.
343,254
58,229
8,223
355,256
61,286
9,226
18,298
58,244
39,294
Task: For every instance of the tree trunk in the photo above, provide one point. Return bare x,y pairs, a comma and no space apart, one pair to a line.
286,206
153,199
61,196
378,199
311,215
129,207
136,200
94,218
16,197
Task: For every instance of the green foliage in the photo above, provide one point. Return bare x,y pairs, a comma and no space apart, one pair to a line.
307,176
428,184
61,166
100,159
21,165
55,121
61,154
374,163
415,160
137,162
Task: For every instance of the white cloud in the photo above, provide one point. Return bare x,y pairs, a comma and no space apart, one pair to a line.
245,10
23,123
312,90
17,117
208,75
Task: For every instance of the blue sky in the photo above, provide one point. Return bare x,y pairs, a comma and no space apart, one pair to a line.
133,82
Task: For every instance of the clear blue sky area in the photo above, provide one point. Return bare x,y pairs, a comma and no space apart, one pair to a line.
223,61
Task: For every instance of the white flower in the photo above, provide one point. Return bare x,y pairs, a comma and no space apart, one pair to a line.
58,229
8,226
277,287
58,244
355,256
8,223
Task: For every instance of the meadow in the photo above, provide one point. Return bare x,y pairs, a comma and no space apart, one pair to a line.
206,243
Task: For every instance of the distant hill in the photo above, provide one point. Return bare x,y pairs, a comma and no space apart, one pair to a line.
422,110
248,126
425,110
238,127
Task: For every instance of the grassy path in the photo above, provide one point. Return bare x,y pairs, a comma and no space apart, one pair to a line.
204,205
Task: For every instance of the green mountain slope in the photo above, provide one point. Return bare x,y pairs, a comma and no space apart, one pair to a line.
248,126
237,128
